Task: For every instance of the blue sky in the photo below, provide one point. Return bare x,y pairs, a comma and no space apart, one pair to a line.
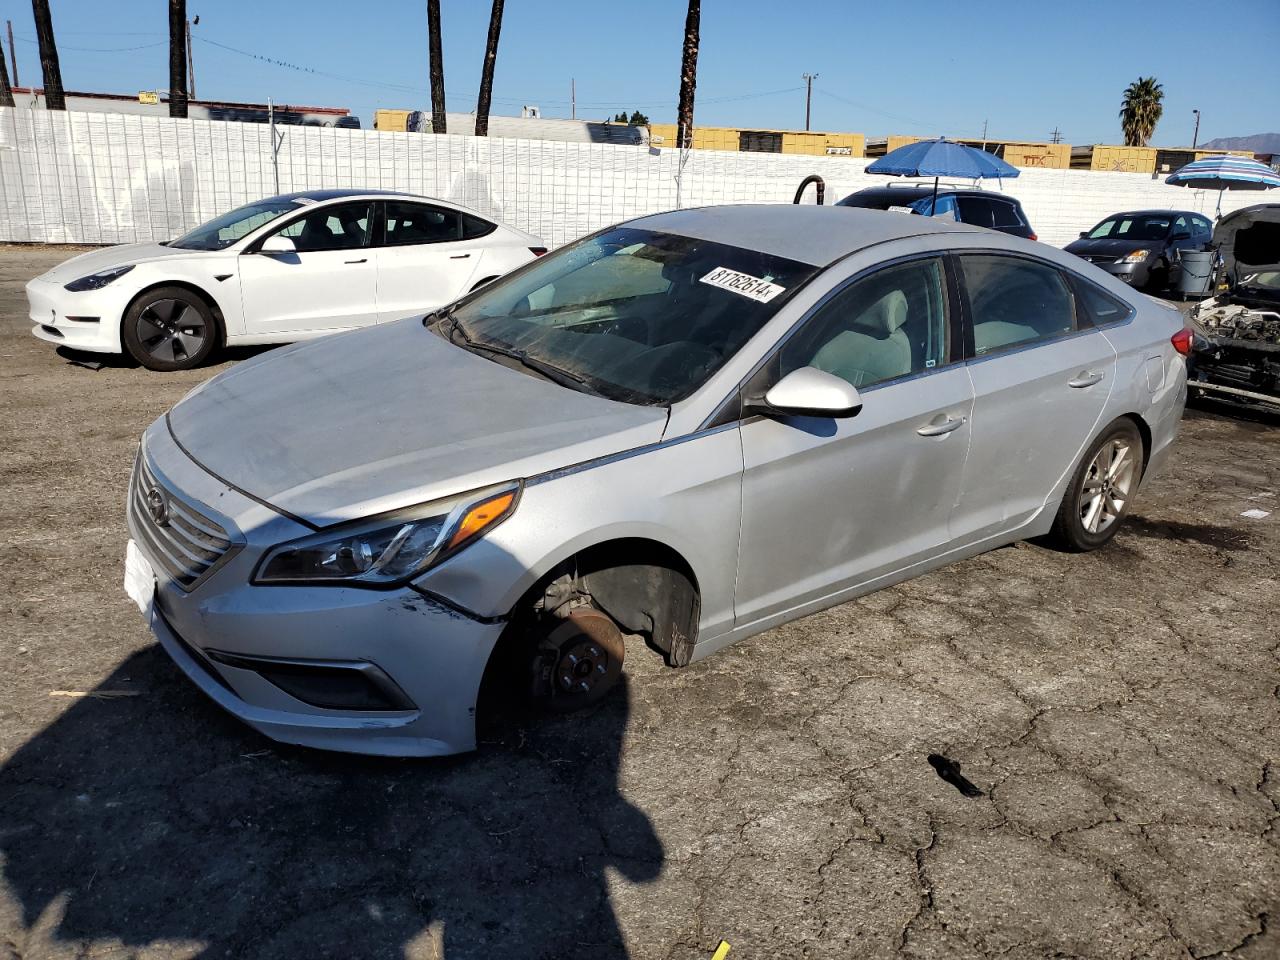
920,68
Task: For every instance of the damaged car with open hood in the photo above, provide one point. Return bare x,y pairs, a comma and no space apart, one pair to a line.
1236,350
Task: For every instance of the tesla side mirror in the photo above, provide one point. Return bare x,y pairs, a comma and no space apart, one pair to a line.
277,244
810,392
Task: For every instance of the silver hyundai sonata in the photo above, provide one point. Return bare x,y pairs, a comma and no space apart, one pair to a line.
691,427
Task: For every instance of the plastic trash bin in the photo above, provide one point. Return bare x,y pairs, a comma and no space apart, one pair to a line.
1197,268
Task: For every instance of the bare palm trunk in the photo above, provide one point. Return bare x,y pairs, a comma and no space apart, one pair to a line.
54,98
438,124
177,58
688,76
6,91
486,76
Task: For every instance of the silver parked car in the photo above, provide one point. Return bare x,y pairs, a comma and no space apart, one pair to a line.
692,427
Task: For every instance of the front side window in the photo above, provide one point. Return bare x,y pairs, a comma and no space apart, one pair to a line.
1015,302
341,227
891,324
236,225
635,315
413,223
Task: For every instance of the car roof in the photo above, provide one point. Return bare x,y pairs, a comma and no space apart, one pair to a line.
923,190
320,196
808,233
1153,213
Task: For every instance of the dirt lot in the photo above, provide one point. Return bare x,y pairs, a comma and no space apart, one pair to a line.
1118,711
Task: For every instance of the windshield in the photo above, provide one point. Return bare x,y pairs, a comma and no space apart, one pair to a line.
236,225
1132,228
631,314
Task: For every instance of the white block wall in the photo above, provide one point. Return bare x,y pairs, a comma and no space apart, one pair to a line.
111,178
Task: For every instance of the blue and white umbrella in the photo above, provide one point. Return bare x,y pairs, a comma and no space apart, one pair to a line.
1225,173
941,158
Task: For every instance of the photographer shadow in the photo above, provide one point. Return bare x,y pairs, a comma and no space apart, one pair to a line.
157,821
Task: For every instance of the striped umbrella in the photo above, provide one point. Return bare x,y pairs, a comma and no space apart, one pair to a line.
1225,173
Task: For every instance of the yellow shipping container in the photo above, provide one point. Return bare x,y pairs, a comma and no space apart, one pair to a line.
391,120
811,143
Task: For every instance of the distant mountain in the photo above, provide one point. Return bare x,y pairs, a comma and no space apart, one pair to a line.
1258,143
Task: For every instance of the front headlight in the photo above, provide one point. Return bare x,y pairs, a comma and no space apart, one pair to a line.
1137,256
96,281
391,549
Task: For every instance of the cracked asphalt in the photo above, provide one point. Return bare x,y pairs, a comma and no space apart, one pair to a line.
1119,712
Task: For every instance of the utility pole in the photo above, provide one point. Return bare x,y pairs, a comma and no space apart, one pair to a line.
6,92
1195,137
808,94
1056,136
191,61
573,99
984,134
13,55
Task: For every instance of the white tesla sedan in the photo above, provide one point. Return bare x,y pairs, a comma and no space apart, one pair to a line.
286,268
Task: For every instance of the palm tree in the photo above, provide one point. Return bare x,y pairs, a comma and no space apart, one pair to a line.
688,76
438,124
54,98
177,58
486,75
1140,111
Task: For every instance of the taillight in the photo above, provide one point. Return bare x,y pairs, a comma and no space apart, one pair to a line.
1033,237
1182,341
537,251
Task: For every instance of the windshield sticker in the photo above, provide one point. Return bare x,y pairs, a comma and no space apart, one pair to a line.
743,283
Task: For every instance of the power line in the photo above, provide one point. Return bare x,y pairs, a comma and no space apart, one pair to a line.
892,116
142,46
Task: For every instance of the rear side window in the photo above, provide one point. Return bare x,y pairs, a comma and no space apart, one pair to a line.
473,227
975,211
1202,225
1099,306
412,223
1006,214
1015,302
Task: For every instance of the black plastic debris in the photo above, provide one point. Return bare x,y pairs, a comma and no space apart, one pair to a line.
87,364
949,771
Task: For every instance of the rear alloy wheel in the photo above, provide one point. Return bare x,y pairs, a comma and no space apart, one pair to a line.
578,661
169,328
1102,488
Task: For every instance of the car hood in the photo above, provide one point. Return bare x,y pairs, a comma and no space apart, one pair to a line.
97,260
1110,247
389,416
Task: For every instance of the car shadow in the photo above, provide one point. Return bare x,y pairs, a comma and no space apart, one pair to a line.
144,816
121,361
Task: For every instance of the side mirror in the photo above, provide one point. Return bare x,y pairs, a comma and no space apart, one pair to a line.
1084,234
277,244
810,392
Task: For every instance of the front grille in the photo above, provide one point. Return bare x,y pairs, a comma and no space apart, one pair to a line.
180,539
1101,259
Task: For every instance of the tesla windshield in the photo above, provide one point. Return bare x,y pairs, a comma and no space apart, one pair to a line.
633,315
236,225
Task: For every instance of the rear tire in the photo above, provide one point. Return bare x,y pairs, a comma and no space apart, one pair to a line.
170,328
1101,490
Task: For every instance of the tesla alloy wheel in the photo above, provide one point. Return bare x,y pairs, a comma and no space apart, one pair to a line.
169,328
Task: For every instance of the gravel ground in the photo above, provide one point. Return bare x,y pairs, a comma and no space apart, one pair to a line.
1119,713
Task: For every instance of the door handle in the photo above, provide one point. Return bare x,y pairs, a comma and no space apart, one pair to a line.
940,425
361,260
1085,378
459,256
